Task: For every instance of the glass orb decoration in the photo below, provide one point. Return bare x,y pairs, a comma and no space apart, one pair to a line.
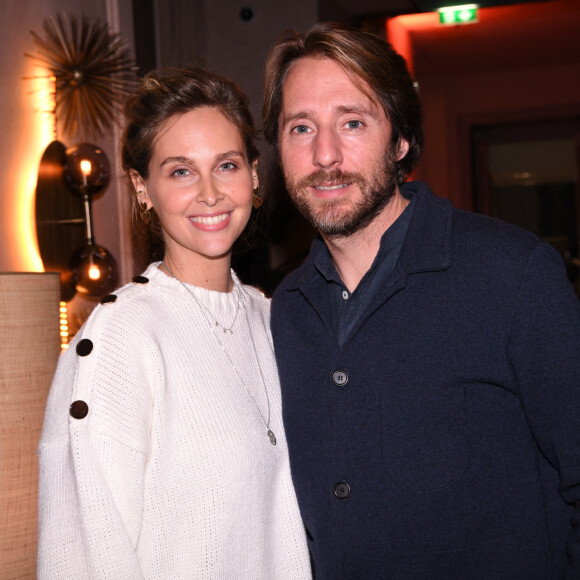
87,169
94,270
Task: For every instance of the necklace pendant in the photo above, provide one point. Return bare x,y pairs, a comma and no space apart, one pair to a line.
272,437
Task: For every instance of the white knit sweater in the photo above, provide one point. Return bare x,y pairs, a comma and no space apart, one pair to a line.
170,474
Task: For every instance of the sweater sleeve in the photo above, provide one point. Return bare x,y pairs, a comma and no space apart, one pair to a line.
93,453
545,351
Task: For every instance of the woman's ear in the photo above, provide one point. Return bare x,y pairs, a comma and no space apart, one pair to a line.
140,189
255,178
136,180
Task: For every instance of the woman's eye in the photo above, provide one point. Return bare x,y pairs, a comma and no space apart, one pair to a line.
228,166
354,124
181,172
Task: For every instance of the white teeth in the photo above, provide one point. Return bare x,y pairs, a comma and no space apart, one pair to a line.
332,187
210,220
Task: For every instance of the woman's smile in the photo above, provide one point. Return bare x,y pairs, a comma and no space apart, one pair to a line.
211,222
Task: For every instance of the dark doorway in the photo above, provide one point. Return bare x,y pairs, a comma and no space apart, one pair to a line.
529,175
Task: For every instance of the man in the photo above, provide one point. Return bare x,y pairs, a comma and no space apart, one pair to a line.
429,357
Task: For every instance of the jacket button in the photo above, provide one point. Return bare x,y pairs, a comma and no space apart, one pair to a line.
340,378
342,490
109,299
79,410
85,347
139,280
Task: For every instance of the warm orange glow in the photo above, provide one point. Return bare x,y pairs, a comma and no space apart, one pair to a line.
39,134
94,272
63,326
400,30
417,21
85,170
27,244
52,93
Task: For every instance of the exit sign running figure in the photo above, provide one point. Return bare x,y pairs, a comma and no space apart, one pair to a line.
458,14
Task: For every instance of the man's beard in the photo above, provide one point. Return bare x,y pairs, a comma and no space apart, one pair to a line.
341,217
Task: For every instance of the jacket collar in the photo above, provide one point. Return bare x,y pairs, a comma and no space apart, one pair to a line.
427,248
427,245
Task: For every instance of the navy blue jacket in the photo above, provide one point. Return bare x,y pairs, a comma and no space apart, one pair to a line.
442,440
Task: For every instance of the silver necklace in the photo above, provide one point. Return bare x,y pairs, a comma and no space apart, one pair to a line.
269,432
203,311
226,329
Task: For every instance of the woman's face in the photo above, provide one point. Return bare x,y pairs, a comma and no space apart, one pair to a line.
200,184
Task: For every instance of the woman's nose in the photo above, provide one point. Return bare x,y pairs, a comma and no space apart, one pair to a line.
209,194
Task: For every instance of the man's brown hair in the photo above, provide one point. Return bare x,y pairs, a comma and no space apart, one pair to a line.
369,61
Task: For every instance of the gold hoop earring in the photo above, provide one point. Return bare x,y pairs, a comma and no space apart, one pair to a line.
258,200
145,213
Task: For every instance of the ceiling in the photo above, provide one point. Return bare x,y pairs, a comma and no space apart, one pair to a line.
357,8
504,38
508,34
432,5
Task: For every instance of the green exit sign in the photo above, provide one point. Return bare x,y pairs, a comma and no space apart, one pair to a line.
458,14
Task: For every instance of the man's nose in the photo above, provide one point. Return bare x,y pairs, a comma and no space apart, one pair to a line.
327,151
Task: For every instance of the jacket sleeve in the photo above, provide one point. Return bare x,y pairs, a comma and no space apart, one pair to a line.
545,352
93,459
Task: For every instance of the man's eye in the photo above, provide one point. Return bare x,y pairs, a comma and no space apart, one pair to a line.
354,124
301,129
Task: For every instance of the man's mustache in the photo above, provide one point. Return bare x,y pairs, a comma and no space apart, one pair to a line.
328,178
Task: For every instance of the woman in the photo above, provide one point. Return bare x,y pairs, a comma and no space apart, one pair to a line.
163,453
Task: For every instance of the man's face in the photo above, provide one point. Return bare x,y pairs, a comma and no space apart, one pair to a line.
335,148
